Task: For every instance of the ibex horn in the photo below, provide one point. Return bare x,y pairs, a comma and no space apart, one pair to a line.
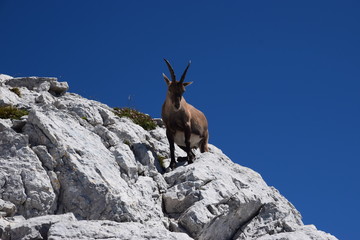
184,74
173,78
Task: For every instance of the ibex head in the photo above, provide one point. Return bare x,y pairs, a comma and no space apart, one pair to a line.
176,88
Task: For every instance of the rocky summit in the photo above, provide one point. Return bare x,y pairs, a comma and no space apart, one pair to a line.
72,169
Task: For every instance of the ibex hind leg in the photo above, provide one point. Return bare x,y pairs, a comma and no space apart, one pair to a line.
204,144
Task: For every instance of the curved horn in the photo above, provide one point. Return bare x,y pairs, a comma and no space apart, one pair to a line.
184,74
173,78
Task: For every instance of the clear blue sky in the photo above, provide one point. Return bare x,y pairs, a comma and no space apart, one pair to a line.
277,80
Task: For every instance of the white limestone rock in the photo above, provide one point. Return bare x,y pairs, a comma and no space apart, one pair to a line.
308,232
58,88
74,155
5,124
83,108
33,228
4,77
8,97
7,209
32,83
86,167
32,90
44,98
84,230
47,160
213,196
23,181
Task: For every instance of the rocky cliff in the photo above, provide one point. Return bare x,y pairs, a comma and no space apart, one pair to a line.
71,169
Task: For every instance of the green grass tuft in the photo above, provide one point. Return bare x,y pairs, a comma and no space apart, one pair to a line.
16,91
127,142
12,112
161,160
142,119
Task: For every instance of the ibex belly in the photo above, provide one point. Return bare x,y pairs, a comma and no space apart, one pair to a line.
179,139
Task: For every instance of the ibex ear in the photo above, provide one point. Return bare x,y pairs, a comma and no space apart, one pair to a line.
187,83
166,79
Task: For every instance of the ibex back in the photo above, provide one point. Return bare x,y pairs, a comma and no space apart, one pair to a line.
185,125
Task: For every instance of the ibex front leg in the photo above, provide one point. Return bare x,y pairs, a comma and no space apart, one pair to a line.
170,138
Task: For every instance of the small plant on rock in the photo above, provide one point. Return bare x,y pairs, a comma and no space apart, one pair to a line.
16,91
127,142
161,160
12,112
142,119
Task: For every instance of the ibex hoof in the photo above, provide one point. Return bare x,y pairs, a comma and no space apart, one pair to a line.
172,166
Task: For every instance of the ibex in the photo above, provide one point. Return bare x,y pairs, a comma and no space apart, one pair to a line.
185,125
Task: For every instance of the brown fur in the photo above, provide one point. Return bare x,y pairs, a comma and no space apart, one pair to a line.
179,116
